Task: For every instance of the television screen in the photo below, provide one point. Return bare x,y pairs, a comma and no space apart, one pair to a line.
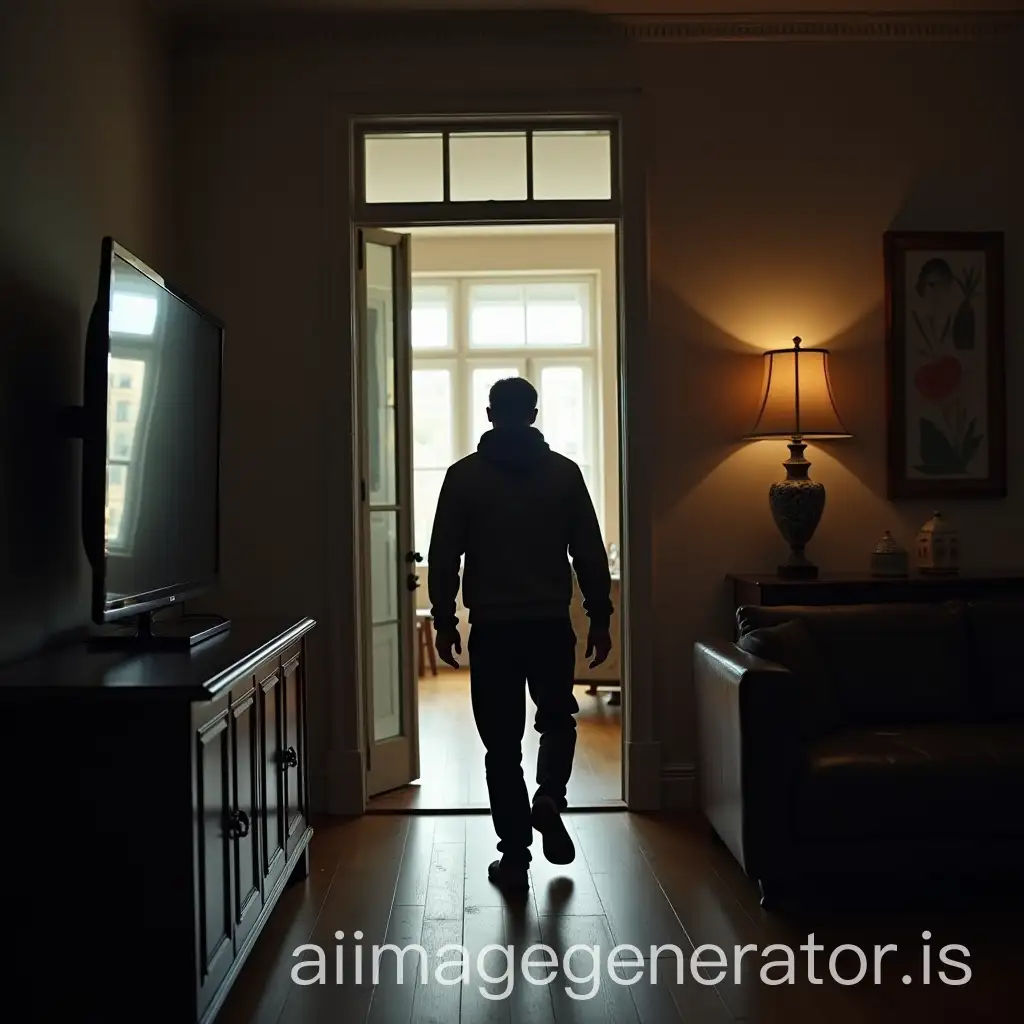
161,500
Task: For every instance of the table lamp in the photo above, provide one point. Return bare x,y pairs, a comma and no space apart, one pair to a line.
796,403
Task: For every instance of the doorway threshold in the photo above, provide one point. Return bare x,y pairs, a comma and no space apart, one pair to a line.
383,805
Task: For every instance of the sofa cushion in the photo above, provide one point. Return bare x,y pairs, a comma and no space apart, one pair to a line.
995,632
886,663
790,644
915,782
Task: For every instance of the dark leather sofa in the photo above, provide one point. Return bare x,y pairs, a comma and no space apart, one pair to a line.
865,739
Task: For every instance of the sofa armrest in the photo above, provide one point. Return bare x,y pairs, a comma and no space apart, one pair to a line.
748,715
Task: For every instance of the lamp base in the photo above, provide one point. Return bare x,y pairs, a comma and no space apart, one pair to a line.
797,504
797,568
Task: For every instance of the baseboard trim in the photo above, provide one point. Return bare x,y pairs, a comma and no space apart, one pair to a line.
643,767
318,793
679,786
346,782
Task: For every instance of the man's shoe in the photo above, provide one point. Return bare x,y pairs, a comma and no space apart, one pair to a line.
508,877
547,820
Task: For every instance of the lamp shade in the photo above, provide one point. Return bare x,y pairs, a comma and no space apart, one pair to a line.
796,396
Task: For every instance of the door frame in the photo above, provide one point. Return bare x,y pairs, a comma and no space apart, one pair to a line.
641,762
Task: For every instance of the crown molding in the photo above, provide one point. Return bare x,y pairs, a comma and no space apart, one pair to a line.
557,28
857,27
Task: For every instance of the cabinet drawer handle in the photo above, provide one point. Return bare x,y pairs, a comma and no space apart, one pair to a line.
289,758
238,825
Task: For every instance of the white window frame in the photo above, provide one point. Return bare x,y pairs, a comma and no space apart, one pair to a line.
530,360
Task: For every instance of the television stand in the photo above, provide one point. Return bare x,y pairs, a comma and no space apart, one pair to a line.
149,634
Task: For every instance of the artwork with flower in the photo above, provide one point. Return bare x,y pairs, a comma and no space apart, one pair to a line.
945,342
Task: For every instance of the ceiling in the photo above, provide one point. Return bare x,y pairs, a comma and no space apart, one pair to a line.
633,7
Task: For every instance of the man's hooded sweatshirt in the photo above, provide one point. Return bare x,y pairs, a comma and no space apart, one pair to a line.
518,512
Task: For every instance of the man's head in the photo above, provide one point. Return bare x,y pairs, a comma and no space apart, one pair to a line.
513,403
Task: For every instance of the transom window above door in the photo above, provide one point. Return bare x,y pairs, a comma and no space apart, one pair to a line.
556,163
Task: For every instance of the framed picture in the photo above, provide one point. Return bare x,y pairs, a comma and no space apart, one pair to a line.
946,388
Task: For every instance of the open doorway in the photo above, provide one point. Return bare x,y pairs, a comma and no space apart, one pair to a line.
487,302
540,177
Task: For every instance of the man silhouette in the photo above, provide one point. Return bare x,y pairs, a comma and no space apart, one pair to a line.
518,512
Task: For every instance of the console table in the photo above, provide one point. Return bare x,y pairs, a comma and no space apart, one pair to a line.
157,807
861,588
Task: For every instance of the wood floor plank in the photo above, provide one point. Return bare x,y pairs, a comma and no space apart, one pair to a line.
450,828
694,1003
481,849
415,872
396,979
439,1001
445,899
582,993
530,1003
640,914
397,974
485,1001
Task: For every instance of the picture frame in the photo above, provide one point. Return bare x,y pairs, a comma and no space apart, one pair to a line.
945,360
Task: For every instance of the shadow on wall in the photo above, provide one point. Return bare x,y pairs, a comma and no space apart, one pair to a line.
42,589
857,371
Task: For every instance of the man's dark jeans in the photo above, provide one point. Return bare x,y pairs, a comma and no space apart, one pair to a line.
503,658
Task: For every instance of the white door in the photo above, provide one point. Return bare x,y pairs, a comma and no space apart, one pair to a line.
389,562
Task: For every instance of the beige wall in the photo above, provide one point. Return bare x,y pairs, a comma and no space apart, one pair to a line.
773,170
84,92
572,252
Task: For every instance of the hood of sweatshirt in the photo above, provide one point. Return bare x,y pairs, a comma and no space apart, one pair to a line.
513,447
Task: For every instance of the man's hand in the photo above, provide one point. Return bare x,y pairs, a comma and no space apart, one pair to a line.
599,644
446,641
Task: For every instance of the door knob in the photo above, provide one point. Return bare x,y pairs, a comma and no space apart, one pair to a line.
238,825
413,556
412,581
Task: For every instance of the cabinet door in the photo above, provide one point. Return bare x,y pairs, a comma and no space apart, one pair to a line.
294,753
243,825
270,692
213,868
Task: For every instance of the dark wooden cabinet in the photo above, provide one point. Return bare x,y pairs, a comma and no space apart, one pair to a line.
164,804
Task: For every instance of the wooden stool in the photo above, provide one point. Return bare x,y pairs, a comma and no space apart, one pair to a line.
425,639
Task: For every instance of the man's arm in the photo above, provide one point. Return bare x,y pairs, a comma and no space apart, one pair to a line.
447,546
589,558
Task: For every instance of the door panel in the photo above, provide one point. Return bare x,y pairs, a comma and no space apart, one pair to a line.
389,562
293,757
214,868
272,817
243,826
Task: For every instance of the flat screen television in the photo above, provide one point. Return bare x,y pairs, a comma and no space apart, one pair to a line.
151,461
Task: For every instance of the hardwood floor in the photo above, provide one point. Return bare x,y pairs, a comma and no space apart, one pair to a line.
452,756
649,881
